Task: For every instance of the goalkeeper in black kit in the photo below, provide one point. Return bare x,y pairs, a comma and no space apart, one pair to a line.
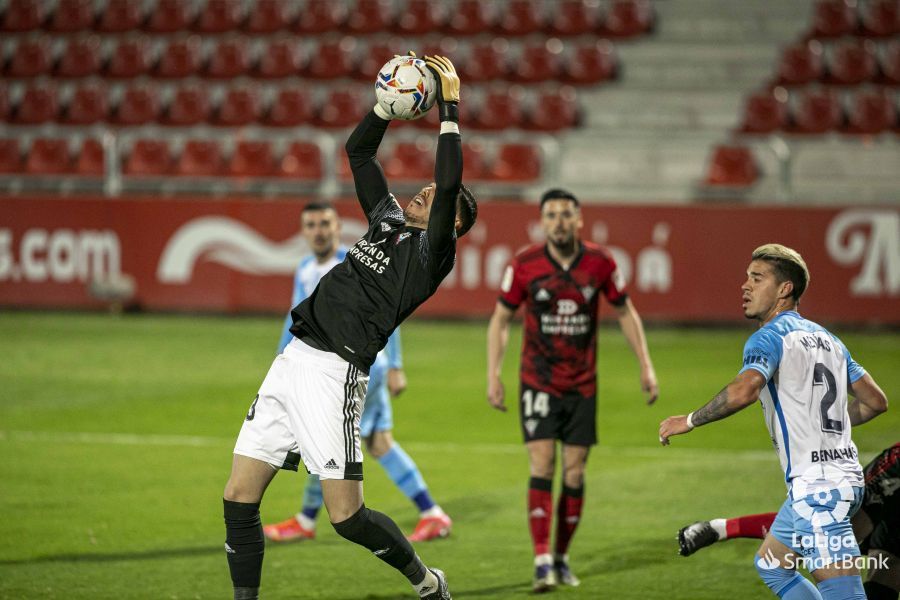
308,407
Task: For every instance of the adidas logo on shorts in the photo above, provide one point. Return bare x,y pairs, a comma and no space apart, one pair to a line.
331,464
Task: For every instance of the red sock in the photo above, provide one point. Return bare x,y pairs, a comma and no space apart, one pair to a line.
540,511
568,515
749,526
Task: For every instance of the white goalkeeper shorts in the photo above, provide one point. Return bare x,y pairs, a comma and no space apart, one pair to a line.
308,408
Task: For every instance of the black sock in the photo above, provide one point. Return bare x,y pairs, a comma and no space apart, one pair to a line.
878,591
378,533
244,546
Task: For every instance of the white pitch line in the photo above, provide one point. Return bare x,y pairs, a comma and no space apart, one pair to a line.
198,441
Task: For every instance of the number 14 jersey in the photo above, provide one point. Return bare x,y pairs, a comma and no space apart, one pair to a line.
808,371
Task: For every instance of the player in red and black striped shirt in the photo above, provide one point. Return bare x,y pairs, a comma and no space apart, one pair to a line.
560,284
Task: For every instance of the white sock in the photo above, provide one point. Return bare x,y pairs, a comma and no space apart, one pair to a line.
434,511
429,584
541,560
305,522
718,526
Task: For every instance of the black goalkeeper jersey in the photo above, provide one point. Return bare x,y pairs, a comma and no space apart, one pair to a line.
390,271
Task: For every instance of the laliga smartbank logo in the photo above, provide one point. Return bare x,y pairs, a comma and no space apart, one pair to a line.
823,498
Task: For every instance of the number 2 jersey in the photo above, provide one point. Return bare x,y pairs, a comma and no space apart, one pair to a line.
808,371
561,308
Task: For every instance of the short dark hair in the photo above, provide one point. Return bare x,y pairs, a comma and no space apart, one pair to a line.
317,205
558,194
466,209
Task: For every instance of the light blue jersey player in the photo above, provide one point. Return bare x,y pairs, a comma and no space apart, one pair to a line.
321,227
803,377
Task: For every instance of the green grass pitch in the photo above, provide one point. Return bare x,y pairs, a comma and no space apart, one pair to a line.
116,437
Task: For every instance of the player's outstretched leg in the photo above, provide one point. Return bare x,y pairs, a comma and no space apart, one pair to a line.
301,526
377,532
705,533
403,471
696,536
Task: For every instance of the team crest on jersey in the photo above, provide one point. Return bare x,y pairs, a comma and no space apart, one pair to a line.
402,237
542,295
588,292
385,226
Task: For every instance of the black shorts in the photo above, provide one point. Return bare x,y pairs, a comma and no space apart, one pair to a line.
882,501
570,418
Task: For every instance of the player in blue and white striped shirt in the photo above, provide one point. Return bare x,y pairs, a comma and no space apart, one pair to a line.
803,376
320,225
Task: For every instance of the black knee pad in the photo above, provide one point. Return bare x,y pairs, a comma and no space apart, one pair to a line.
377,532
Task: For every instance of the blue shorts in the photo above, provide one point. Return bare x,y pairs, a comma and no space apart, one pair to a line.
377,413
817,525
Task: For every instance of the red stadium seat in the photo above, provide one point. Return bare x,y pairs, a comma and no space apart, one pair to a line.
266,16
373,57
833,18
38,105
487,61
282,58
816,111
89,161
87,106
139,105
852,62
80,58
765,112
517,162
22,15
321,16
573,17
342,108
251,159
801,63
129,59
410,161
628,18
48,157
200,158
470,18
120,15
871,112
333,59
218,16
4,103
149,157
890,63
554,110
369,16
419,17
190,106
169,16
180,58
538,62
592,63
292,107
72,15
10,156
228,59
501,109
303,160
30,58
240,107
476,167
880,18
732,166
521,17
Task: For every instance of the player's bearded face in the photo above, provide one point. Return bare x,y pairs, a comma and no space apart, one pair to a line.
321,228
418,209
561,221
760,290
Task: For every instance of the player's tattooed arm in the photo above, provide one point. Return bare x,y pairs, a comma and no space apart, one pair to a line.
738,394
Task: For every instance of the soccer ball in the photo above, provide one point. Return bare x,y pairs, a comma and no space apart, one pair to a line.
405,88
